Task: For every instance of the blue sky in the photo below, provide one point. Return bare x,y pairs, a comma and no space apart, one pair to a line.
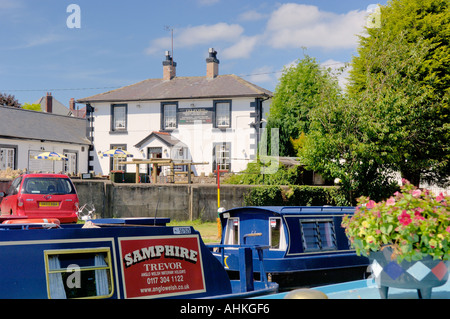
123,42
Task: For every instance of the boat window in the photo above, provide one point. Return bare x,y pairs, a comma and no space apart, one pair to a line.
232,231
79,273
276,231
318,235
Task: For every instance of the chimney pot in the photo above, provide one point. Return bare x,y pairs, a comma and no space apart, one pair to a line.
169,68
212,64
72,104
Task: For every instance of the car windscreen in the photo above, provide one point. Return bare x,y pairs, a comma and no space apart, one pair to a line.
45,185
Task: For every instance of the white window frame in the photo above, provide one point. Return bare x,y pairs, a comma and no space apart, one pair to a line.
170,116
222,156
7,157
282,240
223,114
119,117
232,229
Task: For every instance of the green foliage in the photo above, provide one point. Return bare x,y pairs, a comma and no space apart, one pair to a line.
264,196
283,176
301,88
32,107
395,117
295,195
337,147
400,82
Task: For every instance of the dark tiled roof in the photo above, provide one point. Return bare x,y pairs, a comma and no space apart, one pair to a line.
25,124
222,86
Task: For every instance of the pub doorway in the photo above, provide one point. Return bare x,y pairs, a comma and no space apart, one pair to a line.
153,152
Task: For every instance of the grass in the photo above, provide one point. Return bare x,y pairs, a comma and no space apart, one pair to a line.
208,230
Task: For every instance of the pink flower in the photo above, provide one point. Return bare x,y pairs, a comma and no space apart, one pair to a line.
440,197
418,215
390,201
404,218
448,229
370,204
416,193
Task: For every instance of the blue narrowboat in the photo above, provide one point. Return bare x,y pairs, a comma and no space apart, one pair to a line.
305,246
113,258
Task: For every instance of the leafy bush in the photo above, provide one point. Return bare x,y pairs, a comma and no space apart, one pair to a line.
295,175
297,195
264,196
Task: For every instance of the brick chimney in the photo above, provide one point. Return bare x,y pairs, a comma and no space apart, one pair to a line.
72,104
169,68
49,103
212,64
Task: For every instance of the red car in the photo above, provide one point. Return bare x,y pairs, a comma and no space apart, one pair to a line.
41,196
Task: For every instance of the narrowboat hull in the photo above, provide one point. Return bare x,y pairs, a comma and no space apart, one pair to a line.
305,246
137,258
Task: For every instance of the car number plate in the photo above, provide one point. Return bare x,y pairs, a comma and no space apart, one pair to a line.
48,204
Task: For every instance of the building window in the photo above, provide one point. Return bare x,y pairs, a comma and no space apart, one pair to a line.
169,116
7,157
119,117
79,273
318,235
222,156
222,114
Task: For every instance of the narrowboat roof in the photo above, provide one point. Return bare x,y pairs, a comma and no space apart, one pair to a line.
294,210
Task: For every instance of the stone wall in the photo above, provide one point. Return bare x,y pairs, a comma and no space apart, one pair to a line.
179,202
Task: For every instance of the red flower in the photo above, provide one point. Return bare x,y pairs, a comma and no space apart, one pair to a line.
404,218
418,215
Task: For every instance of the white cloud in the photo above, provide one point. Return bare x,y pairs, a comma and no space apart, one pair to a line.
241,49
339,69
205,34
251,15
198,35
297,25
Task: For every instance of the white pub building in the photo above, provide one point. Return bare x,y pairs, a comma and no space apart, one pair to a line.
214,119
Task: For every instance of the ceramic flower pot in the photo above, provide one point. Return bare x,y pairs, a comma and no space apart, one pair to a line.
422,275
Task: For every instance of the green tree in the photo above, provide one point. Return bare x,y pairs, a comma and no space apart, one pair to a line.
32,107
302,87
401,83
337,147
8,100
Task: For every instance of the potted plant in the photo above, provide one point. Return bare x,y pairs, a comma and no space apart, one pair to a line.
406,237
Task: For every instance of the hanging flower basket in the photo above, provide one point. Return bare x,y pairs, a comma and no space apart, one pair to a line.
411,226
422,275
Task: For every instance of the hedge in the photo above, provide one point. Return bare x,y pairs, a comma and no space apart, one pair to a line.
295,195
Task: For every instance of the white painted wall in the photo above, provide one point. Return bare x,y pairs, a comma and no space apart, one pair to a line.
144,118
28,148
